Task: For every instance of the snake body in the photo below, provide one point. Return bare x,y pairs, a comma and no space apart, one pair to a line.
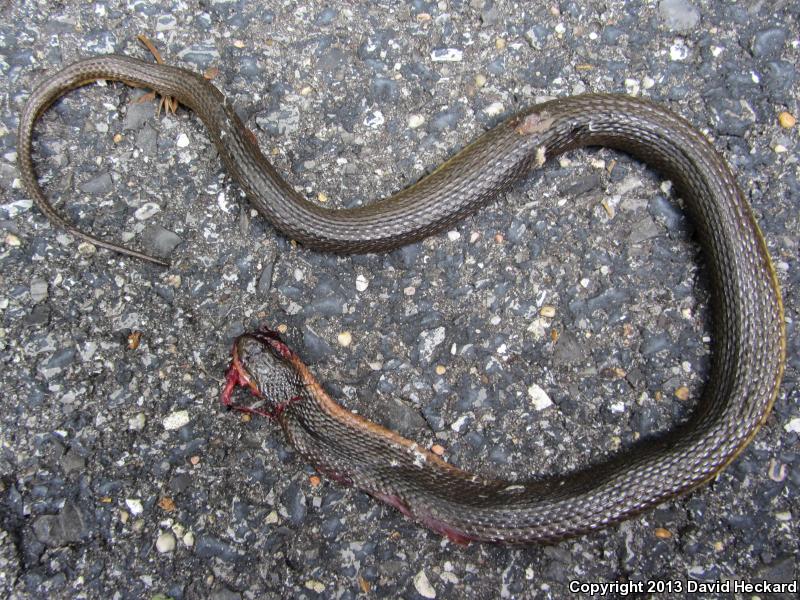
748,328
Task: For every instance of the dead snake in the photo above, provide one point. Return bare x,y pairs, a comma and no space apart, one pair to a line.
748,356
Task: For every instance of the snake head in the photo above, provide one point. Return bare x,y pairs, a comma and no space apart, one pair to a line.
265,365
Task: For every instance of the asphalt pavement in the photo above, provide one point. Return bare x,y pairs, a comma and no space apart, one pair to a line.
561,323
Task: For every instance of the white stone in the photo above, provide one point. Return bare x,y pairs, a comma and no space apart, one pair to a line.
793,426
539,397
423,586
176,420
137,422
165,542
315,586
415,121
146,211
678,51
134,505
494,109
375,119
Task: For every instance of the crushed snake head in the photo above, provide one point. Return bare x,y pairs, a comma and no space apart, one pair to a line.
262,363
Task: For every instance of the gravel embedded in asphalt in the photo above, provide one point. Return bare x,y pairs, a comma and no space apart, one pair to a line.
562,322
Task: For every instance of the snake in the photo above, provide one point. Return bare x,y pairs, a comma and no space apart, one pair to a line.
748,331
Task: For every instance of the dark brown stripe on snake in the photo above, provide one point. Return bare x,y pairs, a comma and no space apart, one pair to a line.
748,328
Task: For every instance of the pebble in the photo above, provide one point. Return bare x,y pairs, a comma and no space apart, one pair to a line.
134,505
265,278
211,547
315,347
69,526
98,185
446,119
182,141
283,121
361,283
644,229
654,343
534,37
402,417
159,241
769,43
568,350
678,51
793,426
447,55
136,115
662,533
147,140
315,586
137,422
72,462
166,23
199,54
375,119
632,87
428,341
548,311
383,90
61,358
165,542
345,338
295,501
453,235
176,420
415,121
679,15
539,397
731,116
786,120
423,586
38,290
87,249
326,16
494,109
12,209
146,211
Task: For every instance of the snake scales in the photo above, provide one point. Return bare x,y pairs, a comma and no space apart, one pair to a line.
748,327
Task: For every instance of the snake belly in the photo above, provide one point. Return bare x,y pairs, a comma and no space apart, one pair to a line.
748,325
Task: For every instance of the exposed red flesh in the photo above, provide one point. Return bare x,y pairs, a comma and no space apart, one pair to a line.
235,377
